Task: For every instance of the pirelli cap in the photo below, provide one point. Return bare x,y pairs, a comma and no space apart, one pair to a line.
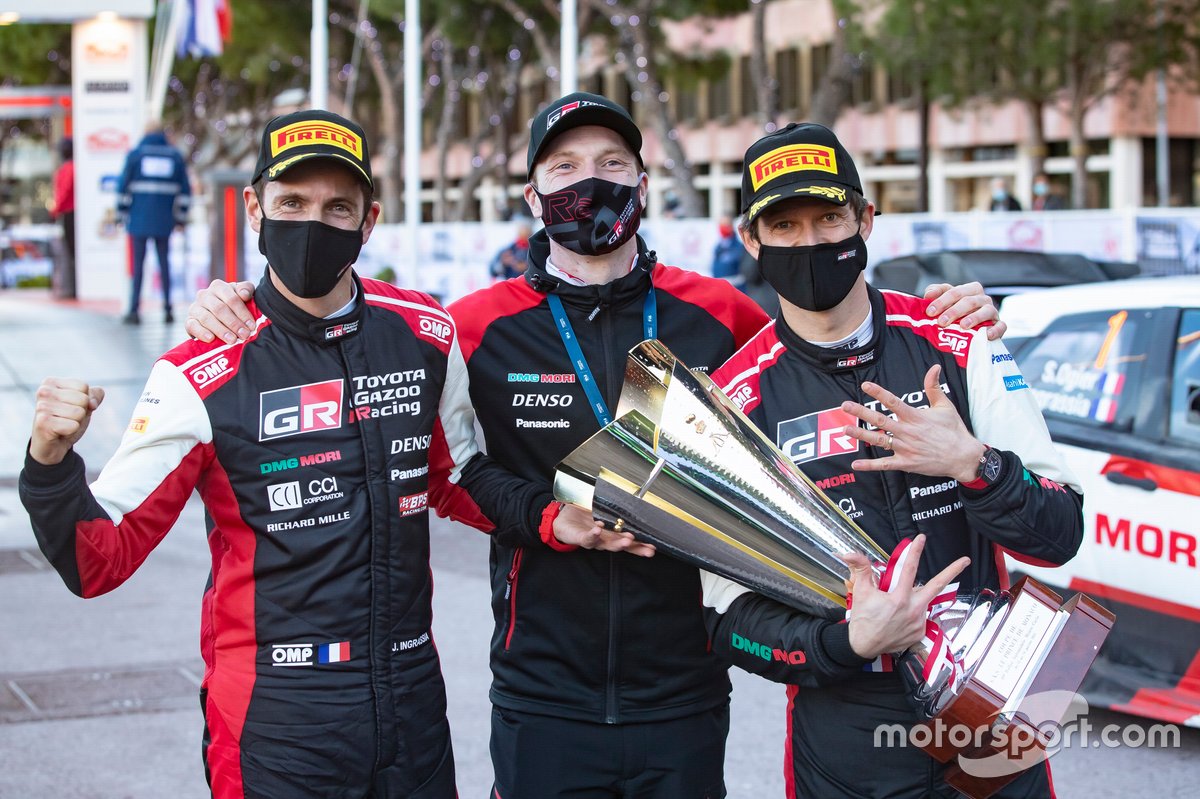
801,160
578,109
301,135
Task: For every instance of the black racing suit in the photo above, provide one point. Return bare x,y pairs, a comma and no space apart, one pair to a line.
587,635
317,447
793,391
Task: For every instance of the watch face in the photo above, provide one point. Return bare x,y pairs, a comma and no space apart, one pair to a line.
991,466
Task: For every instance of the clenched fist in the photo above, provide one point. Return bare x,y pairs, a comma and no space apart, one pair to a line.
64,408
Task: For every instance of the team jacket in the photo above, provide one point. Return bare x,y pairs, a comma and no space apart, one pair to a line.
317,447
594,636
793,391
154,189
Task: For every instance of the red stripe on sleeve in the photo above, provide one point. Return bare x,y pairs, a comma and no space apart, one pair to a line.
474,313
733,309
448,499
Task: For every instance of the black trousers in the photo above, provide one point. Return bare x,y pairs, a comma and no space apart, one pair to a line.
542,757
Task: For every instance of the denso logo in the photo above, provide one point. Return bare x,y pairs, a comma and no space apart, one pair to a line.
817,435
542,400
207,372
436,329
300,409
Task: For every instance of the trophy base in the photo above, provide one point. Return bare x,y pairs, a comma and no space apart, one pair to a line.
995,727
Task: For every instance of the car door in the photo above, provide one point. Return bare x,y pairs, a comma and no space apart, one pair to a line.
1120,390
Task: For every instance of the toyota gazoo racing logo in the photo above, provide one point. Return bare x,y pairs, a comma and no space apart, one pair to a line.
817,435
337,331
297,410
559,113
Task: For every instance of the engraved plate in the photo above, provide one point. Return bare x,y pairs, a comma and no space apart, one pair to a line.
1015,644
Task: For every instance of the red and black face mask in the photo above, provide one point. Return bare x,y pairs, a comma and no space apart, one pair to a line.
593,216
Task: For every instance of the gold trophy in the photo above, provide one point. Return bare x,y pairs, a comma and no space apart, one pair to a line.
682,468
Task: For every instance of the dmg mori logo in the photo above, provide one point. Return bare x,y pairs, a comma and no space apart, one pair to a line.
299,409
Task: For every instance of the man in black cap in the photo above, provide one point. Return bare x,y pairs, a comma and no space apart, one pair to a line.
917,432
603,684
317,446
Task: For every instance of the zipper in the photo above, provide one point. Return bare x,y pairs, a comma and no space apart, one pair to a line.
611,715
510,596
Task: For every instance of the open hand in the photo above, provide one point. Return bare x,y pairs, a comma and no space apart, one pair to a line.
575,525
220,311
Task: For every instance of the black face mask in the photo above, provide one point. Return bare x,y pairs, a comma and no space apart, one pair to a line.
310,257
593,216
815,278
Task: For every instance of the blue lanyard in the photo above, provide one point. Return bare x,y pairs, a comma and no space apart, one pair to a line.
582,370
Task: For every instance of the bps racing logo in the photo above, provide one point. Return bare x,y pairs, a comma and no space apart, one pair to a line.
793,158
817,435
297,410
301,134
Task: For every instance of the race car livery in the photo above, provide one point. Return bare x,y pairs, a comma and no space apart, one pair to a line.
317,447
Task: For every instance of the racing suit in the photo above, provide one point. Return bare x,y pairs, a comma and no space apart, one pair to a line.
793,391
587,635
317,447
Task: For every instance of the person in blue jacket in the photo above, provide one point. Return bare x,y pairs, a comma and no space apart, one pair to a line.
155,195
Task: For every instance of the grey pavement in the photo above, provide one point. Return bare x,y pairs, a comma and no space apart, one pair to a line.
98,698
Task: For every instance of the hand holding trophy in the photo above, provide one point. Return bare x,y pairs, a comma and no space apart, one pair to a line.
683,469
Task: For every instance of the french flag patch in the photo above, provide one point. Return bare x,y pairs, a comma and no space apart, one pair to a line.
333,653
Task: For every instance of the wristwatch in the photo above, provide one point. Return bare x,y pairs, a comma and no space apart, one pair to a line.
990,467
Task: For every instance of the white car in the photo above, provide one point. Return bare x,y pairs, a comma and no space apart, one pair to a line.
1116,369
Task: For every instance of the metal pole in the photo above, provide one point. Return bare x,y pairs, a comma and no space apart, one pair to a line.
352,83
569,49
1162,142
163,58
319,55
412,135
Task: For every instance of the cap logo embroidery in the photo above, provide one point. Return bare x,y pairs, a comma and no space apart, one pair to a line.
828,192
758,206
300,134
793,158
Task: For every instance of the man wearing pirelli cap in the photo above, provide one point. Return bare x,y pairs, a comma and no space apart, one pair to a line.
317,445
602,679
919,433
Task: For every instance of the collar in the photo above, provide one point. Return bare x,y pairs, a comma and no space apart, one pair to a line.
630,287
839,360
297,323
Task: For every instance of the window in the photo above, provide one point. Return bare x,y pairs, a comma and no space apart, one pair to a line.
787,72
747,91
1184,425
720,97
1087,368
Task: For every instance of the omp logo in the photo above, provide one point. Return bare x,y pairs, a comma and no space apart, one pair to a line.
207,372
337,331
955,342
765,652
436,329
309,654
816,435
297,410
414,503
299,134
742,395
793,158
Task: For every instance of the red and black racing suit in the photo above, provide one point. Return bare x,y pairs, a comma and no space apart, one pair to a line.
793,391
317,447
585,635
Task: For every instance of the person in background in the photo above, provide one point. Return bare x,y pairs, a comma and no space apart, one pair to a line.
155,195
510,261
727,255
1002,199
64,205
1044,196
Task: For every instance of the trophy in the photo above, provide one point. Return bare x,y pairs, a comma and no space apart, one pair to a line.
682,468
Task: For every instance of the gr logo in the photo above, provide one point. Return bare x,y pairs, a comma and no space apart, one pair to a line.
435,329
817,435
299,409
